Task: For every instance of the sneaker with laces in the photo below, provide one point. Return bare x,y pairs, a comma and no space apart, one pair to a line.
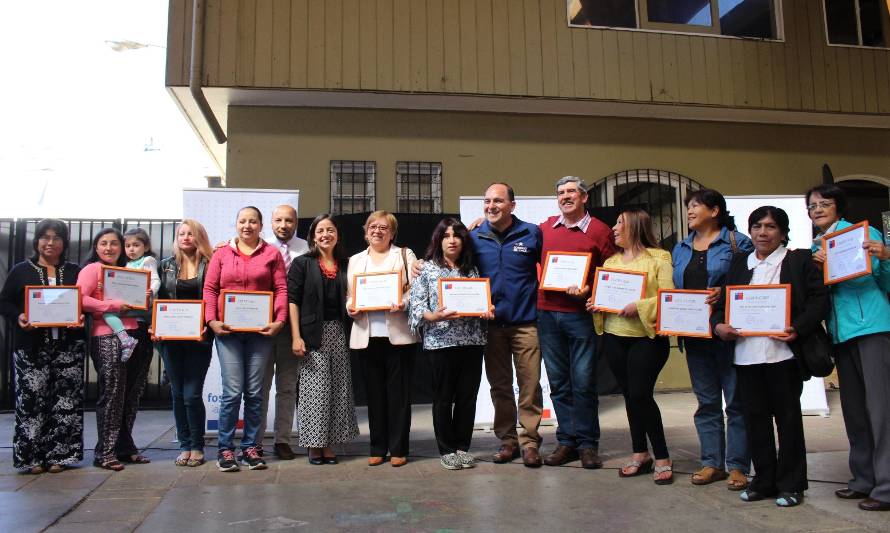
127,347
450,461
466,459
225,460
252,459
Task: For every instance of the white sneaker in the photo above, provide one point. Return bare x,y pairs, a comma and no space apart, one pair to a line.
466,459
450,461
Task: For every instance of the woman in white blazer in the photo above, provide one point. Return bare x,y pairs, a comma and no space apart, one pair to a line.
384,343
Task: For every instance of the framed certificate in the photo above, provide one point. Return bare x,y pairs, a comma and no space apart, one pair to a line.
845,258
564,269
758,310
683,313
179,320
467,296
376,291
53,306
246,310
614,288
128,285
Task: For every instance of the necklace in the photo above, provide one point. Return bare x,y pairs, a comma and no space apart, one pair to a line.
330,273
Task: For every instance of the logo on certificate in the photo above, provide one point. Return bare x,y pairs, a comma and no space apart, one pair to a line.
35,295
831,243
555,259
605,277
362,281
111,274
447,285
739,296
162,308
668,298
231,299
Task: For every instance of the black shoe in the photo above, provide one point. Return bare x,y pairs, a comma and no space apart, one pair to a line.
871,504
318,461
225,460
850,494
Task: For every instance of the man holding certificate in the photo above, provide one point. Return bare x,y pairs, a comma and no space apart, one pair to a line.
770,369
575,243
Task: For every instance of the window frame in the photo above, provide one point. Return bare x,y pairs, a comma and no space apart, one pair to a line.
858,31
644,22
436,202
370,185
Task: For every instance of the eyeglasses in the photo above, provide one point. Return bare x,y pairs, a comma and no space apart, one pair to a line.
50,239
378,227
820,205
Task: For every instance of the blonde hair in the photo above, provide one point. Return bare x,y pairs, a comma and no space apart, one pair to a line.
638,225
390,221
202,241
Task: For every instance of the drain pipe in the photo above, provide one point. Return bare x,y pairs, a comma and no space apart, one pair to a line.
196,68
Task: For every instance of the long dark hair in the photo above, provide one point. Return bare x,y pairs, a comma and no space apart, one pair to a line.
50,224
339,251
777,214
143,237
467,259
94,257
711,199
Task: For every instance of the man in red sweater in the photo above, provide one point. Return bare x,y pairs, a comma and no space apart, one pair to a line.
565,329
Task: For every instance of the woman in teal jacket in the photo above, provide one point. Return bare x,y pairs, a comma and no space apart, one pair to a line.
859,324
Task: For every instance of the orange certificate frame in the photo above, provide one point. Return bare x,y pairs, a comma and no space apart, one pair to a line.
665,296
552,257
598,277
736,293
362,279
225,298
108,271
30,291
444,282
828,242
157,307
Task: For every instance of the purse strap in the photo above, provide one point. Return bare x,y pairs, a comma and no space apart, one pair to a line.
732,244
405,285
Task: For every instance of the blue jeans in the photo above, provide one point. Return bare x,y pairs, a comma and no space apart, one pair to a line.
186,364
568,349
712,374
242,363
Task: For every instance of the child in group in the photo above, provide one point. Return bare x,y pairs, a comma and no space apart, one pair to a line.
137,247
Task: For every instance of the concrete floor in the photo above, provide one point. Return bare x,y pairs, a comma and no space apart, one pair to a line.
295,496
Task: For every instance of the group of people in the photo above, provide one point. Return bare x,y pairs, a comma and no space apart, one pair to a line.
315,324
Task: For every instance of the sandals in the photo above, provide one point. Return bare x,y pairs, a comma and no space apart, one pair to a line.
55,468
113,464
183,459
134,459
709,474
641,468
737,480
664,480
197,459
36,470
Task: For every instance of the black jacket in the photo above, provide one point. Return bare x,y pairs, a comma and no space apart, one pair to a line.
305,289
12,301
809,296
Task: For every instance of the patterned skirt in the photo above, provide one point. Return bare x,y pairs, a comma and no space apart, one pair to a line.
326,407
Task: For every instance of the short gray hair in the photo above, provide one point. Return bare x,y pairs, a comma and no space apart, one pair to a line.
571,179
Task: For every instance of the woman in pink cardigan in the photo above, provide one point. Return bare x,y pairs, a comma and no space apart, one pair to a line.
246,263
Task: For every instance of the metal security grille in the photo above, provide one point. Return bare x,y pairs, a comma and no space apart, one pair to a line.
418,187
660,192
353,186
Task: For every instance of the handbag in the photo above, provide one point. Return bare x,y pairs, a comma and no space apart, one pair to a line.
816,353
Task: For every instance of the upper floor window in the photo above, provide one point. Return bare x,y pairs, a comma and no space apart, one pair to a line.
857,22
737,18
352,186
418,187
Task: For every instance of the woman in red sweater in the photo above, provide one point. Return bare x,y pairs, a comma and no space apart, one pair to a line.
246,263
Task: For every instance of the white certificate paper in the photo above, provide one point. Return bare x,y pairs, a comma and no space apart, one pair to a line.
565,269
52,306
467,296
613,289
758,309
377,291
178,319
845,258
126,285
683,313
246,311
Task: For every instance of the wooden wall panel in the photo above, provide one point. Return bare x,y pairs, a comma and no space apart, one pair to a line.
281,43
262,49
385,56
468,65
596,64
611,59
244,66
549,54
368,44
351,53
435,47
564,49
484,46
451,30
211,43
401,43
534,53
501,47
316,59
418,33
515,20
228,26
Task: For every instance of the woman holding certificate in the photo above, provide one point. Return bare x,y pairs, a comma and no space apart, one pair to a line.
700,262
859,324
452,339
48,360
253,268
381,336
767,326
186,361
635,354
316,287
121,384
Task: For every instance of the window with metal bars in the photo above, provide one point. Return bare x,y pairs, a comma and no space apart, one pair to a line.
353,187
418,187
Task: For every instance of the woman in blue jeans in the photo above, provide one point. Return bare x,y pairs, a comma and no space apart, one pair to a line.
186,362
701,261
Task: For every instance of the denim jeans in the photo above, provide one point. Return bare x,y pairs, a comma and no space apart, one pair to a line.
186,364
712,374
242,362
568,349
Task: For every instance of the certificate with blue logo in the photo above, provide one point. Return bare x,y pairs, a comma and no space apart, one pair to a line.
758,310
181,320
246,310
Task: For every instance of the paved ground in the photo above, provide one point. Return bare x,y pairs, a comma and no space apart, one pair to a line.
295,496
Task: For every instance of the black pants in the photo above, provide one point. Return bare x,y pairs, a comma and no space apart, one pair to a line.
771,391
636,363
457,372
388,371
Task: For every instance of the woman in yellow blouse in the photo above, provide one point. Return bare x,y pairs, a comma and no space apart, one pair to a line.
635,354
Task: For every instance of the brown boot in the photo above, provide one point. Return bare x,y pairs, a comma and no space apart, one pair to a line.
561,455
505,454
590,458
531,457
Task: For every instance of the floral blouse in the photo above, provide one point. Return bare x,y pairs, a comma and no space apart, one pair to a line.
469,331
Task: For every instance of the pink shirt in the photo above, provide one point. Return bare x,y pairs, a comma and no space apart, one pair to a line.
262,271
88,281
